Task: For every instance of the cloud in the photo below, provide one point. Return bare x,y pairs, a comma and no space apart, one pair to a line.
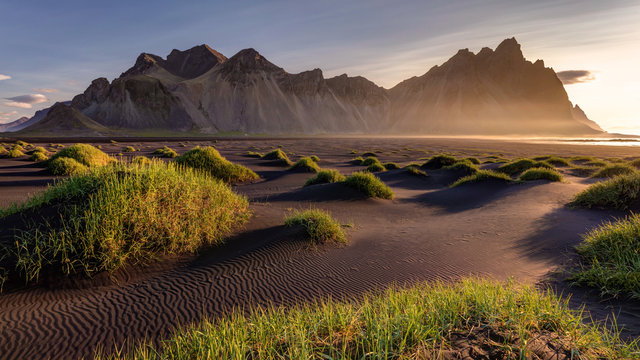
7,115
569,77
46,90
25,101
4,77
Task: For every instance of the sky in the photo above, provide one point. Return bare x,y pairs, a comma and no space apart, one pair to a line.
50,51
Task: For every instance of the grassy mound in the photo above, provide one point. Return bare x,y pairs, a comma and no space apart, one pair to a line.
369,154
315,158
210,161
253,154
518,166
14,153
369,184
483,175
472,160
278,156
85,154
621,192
3,150
114,215
376,167
614,170
166,152
320,226
325,176
129,149
65,166
391,166
370,161
582,171
553,160
415,171
439,161
464,166
141,160
610,258
305,164
39,156
425,321
540,174
357,160
635,163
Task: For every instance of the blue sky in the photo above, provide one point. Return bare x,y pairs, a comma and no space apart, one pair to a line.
52,50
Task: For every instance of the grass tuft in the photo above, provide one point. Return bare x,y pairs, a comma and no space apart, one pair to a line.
439,161
483,175
520,165
305,164
209,160
465,166
38,156
369,184
65,166
610,258
253,154
391,166
114,215
614,170
319,225
325,176
85,154
415,171
370,161
14,153
621,192
315,158
166,152
279,156
376,167
540,174
129,149
357,160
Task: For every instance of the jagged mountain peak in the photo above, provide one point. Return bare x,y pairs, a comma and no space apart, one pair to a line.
186,64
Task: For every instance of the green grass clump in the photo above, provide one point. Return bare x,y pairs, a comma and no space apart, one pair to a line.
279,156
129,149
3,150
582,171
305,164
614,170
22,144
610,258
376,167
465,166
553,160
315,158
253,154
166,152
325,176
369,184
483,175
85,154
369,154
357,160
38,156
319,225
540,174
123,214
209,160
65,166
439,161
416,322
370,161
472,160
635,163
621,192
520,165
141,160
391,166
14,153
415,171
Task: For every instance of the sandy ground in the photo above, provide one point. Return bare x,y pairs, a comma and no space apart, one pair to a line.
428,232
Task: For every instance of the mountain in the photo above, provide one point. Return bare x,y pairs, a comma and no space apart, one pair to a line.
67,119
14,125
580,116
24,121
493,92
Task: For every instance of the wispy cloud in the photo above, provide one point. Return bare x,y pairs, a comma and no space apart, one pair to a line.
4,77
46,90
6,116
569,77
25,101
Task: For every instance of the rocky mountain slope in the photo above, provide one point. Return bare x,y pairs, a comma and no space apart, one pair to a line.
200,90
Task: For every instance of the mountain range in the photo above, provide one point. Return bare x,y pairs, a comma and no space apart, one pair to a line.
493,92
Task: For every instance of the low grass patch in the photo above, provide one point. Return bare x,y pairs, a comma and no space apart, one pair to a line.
370,161
65,166
520,165
253,154
315,158
415,171
417,322
391,166
278,156
483,175
621,192
369,184
376,167
635,163
614,170
3,150
439,161
553,160
141,160
85,154
357,160
540,174
321,228
473,160
39,156
582,171
325,176
129,149
14,153
166,152
305,164
209,160
610,258
115,215
464,166
369,154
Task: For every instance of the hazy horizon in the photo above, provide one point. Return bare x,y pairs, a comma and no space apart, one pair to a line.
56,50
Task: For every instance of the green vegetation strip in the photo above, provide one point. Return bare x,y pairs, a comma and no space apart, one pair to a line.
540,174
610,258
416,322
369,184
209,161
114,215
482,176
621,192
325,176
